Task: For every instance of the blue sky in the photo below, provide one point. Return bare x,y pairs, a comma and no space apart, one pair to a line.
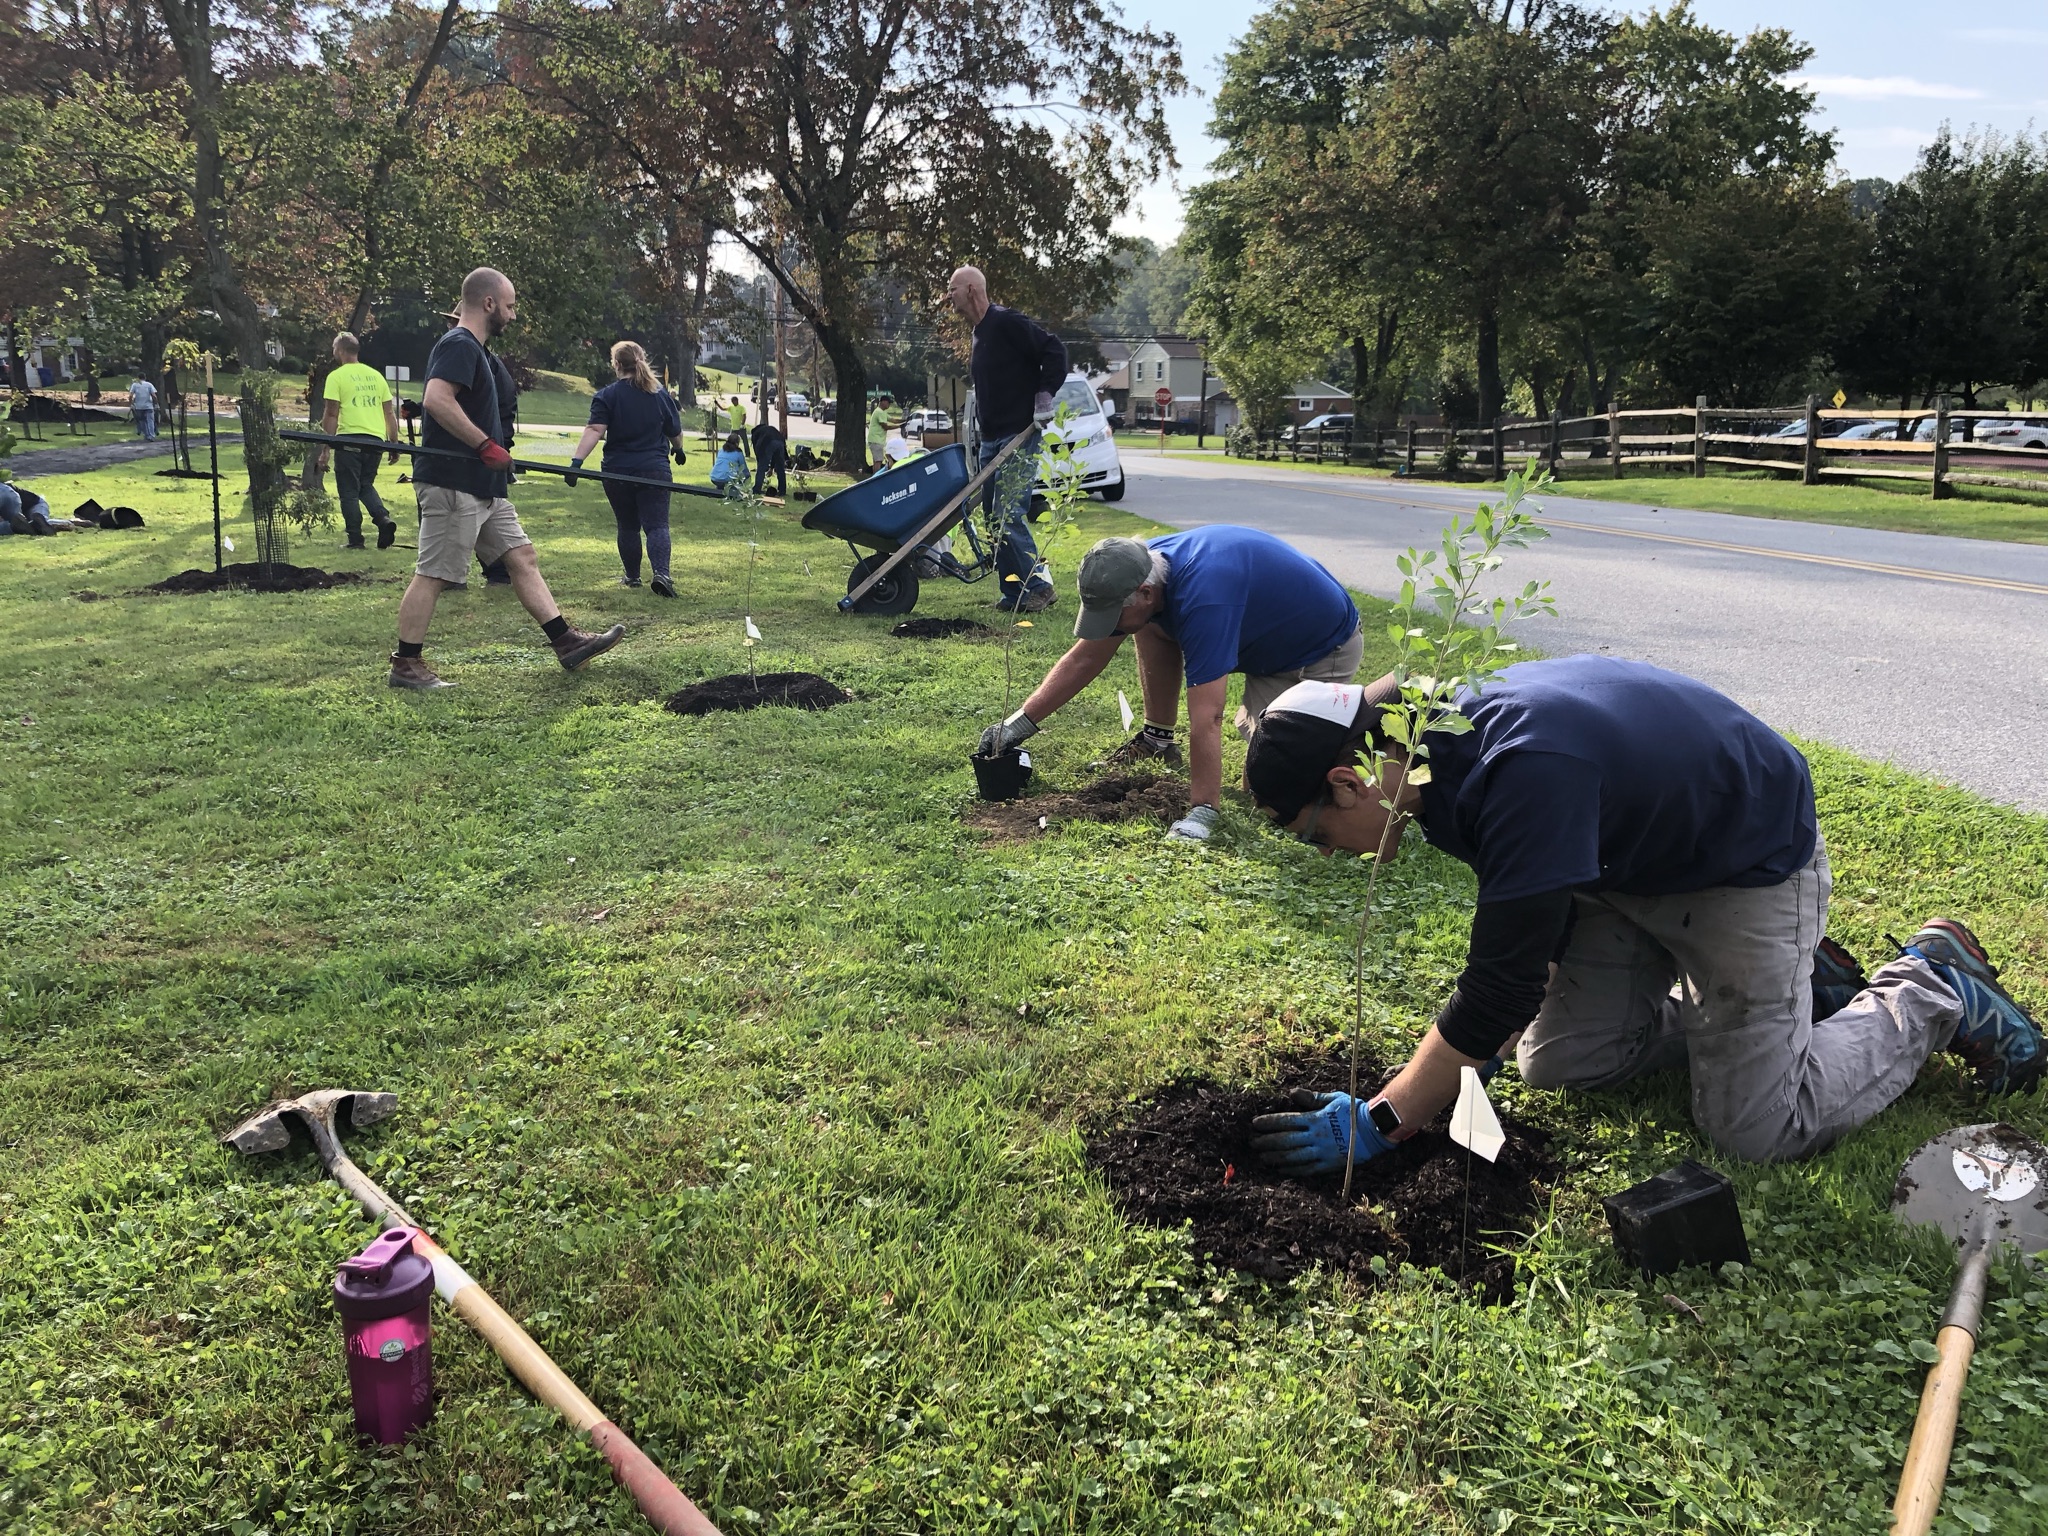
1888,73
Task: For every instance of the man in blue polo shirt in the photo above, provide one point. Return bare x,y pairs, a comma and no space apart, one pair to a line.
1631,829
1198,606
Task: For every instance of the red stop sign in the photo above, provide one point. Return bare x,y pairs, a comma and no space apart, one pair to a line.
1162,397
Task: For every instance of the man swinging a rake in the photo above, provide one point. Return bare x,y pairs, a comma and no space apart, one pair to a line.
1653,892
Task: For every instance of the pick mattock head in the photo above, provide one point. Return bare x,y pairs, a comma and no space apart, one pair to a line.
1980,1185
270,1130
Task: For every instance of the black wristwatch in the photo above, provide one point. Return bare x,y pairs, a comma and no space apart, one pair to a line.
1385,1118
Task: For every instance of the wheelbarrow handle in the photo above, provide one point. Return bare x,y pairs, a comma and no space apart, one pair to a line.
938,520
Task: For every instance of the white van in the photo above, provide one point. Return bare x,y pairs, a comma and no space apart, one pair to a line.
1087,429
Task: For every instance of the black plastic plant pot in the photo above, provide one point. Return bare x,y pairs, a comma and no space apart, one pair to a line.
1685,1215
1003,776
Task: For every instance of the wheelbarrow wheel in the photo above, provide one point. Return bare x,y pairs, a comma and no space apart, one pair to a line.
894,593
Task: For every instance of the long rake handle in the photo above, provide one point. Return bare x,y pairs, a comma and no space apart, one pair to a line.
524,466
938,520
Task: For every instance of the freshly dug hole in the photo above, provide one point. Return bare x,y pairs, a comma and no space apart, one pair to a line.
943,629
247,576
1168,1165
1119,797
798,690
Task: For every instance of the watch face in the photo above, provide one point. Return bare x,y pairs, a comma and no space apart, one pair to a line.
1385,1117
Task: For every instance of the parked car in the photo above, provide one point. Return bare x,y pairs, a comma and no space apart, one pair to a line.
919,422
799,403
1863,431
2013,434
1329,421
825,411
1086,429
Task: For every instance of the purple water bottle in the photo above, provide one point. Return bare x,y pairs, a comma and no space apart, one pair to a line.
382,1294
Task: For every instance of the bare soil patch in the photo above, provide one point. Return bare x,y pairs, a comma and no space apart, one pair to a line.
943,629
1185,1158
797,690
246,576
1116,797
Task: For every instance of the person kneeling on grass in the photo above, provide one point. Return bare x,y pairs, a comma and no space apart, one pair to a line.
1630,829
23,511
463,510
641,427
729,468
1198,605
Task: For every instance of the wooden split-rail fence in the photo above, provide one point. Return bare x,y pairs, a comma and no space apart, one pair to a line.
1937,445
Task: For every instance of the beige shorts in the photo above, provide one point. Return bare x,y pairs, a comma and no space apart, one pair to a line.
454,525
1340,666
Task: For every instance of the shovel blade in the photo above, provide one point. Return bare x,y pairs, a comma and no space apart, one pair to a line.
1979,1184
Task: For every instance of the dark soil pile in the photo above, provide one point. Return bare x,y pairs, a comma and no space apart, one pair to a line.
1118,797
1186,1158
942,629
246,576
798,690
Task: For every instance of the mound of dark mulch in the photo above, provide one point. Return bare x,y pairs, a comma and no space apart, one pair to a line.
246,576
798,690
1186,1158
1116,797
943,629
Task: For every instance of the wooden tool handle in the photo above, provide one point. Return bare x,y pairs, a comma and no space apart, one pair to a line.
1934,1434
666,1507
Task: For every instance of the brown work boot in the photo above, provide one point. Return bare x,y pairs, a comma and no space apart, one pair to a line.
411,672
575,647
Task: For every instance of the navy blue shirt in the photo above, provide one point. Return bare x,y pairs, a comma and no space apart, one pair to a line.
1592,773
638,424
1238,600
460,358
1014,360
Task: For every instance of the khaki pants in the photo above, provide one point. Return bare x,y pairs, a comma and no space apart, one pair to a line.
1767,1082
1260,690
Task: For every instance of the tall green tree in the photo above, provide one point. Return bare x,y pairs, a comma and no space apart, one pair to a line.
885,142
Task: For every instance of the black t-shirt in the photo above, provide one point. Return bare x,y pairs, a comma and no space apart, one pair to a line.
638,424
460,358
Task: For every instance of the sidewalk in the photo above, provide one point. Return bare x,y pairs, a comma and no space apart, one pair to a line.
72,461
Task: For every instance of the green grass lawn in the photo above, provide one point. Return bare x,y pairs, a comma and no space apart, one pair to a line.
1973,513
755,1083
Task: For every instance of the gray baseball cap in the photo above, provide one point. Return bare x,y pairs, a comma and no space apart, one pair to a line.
1110,573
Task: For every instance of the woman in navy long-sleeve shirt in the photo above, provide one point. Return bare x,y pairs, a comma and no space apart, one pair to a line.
640,425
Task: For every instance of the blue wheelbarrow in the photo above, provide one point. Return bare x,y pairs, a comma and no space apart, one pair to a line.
897,513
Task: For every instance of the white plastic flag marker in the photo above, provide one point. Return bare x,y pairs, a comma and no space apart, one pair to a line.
1473,1123
228,543
752,632
1124,704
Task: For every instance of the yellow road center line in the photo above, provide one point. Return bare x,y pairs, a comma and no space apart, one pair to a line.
1956,578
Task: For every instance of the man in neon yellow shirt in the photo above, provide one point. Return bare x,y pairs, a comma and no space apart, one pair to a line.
738,418
880,419
359,406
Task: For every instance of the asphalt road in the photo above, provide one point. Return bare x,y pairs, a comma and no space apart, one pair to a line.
1924,651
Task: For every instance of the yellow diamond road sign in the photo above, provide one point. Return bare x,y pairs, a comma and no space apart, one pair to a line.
1840,399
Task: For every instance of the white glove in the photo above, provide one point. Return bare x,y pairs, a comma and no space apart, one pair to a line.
1194,827
1041,408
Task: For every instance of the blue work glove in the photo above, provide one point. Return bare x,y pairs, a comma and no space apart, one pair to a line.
1194,827
1005,734
1308,1141
570,480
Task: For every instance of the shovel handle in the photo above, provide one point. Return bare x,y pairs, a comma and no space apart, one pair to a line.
1934,1430
1934,1434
